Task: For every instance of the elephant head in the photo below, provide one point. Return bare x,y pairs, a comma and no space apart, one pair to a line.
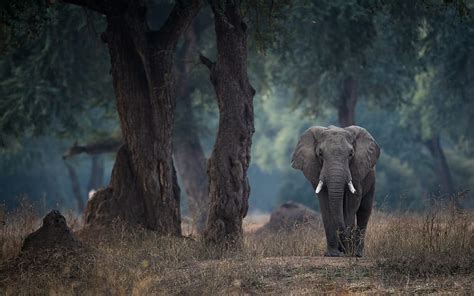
336,159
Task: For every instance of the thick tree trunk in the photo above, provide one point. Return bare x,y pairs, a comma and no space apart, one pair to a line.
228,184
348,101
187,150
76,187
143,187
441,166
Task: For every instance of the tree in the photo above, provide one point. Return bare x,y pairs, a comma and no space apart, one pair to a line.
143,187
228,184
76,188
41,88
191,163
41,91
339,53
188,153
329,55
437,108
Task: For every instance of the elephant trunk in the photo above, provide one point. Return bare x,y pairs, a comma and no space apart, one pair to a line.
336,178
335,186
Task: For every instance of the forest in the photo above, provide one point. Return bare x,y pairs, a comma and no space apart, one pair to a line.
181,118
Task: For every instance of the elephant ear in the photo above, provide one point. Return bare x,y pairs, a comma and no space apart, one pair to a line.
304,156
367,152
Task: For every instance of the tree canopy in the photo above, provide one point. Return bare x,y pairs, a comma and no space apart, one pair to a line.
410,63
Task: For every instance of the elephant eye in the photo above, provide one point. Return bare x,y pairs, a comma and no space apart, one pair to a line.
351,154
320,152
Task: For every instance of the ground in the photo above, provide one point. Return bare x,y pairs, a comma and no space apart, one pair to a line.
138,262
310,275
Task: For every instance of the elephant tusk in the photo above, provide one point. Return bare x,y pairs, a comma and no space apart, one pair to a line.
320,186
351,187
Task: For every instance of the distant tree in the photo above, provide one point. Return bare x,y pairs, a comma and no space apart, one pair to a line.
443,93
42,93
188,153
326,53
41,89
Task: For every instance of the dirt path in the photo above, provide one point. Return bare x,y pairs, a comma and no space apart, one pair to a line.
296,276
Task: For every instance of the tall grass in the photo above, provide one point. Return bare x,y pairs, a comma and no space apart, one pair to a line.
14,228
441,241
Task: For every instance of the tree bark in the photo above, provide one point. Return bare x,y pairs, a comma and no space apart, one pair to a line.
228,184
143,187
76,187
188,154
441,166
348,101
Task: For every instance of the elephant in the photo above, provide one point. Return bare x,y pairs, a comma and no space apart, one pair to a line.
340,164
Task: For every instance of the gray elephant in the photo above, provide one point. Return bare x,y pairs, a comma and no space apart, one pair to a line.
340,164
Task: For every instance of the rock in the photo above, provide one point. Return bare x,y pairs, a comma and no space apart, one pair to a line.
54,233
291,216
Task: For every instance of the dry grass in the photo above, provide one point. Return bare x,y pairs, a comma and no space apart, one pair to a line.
14,229
304,241
405,253
439,242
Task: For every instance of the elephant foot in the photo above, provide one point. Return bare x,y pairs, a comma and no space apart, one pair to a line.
359,253
333,253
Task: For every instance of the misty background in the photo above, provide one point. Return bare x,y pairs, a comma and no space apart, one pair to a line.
413,63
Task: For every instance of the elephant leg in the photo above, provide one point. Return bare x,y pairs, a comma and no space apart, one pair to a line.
351,205
363,215
329,227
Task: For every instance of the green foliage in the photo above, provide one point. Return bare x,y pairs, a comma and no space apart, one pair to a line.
58,82
327,42
22,21
266,18
55,87
412,61
278,128
397,184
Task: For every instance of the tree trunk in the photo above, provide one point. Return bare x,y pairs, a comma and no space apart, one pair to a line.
143,186
97,173
441,166
191,165
348,101
187,150
76,187
228,184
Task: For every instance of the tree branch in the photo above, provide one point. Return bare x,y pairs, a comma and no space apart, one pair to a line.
177,22
206,61
106,146
106,7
